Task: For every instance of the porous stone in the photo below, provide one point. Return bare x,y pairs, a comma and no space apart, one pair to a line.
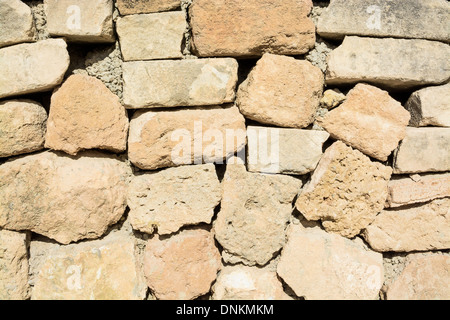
381,18
369,120
323,266
173,138
16,23
281,91
417,189
169,199
347,190
254,213
423,150
40,20
290,151
44,63
248,283
251,28
103,269
430,107
66,199
181,267
152,36
423,278
396,64
22,127
332,98
179,83
85,114
418,228
127,7
81,21
13,266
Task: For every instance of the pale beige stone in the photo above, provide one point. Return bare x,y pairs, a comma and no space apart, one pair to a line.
179,83
423,150
16,23
81,20
281,91
173,138
424,278
84,114
105,269
397,64
332,98
63,198
423,188
22,127
169,199
181,267
248,283
347,190
13,266
289,151
369,120
418,228
398,19
323,266
146,6
254,213
252,27
152,36
44,63
430,107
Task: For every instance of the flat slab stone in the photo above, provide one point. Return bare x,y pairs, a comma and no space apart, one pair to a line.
146,6
16,23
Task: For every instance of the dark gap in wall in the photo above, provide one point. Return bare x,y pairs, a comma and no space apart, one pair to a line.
245,66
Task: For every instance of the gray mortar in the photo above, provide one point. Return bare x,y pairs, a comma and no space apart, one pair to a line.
187,50
40,19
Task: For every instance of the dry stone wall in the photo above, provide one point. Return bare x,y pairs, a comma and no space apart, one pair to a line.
260,149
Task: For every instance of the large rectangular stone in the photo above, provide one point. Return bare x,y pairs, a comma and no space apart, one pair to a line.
415,19
146,6
391,63
423,150
16,23
178,83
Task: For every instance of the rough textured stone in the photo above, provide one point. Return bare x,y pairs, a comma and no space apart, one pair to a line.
248,283
380,18
369,120
16,23
331,99
66,199
322,266
22,127
81,21
398,64
424,278
416,189
417,228
290,151
423,150
346,191
152,36
84,114
44,64
169,199
173,83
255,210
103,269
146,6
252,27
281,91
430,107
183,266
171,138
13,266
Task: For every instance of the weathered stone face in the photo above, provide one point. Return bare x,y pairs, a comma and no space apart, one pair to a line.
22,127
244,28
127,7
84,114
44,63
281,91
66,199
322,266
16,23
183,266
